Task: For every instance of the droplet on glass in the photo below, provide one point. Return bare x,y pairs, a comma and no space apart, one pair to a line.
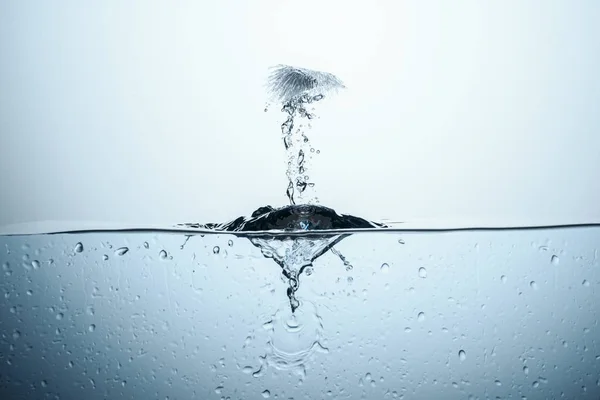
35,264
385,268
121,251
92,328
462,356
230,243
216,250
79,247
422,273
163,255
421,316
503,278
554,259
266,394
533,285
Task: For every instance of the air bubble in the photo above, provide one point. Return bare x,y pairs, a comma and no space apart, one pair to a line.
216,250
385,268
79,247
121,251
554,259
422,273
462,356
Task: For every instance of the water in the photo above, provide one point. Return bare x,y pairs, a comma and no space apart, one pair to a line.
300,301
179,322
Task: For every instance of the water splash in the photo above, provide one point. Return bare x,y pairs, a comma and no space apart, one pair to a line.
296,89
299,236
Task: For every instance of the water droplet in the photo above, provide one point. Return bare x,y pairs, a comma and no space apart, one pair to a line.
216,250
266,394
503,278
121,251
535,384
498,383
30,292
44,383
350,279
401,241
35,264
308,271
533,285
16,335
385,268
526,370
462,356
407,329
105,257
60,316
146,245
585,283
90,310
92,328
554,259
421,316
79,247
422,273
162,255
230,243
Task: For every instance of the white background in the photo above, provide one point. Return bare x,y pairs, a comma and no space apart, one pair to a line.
150,112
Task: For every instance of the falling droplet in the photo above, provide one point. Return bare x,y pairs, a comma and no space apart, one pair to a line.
503,278
462,356
266,394
121,251
216,250
162,255
92,328
385,268
533,285
79,247
554,259
421,316
422,273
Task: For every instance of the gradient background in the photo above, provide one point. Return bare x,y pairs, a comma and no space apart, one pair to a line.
151,112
